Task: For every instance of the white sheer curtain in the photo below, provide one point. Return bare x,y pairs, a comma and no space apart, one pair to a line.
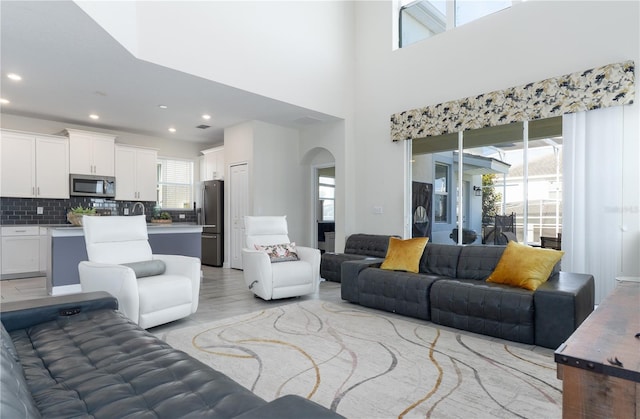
592,195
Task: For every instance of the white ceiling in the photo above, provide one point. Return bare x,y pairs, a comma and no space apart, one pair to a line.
71,67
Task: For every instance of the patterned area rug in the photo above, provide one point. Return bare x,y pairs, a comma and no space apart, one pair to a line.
365,364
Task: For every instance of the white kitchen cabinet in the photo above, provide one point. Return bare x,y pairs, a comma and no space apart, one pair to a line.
136,173
20,250
212,164
91,153
34,165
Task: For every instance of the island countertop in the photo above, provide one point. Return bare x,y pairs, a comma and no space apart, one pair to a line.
69,230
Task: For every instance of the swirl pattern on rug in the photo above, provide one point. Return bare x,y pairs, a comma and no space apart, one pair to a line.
368,364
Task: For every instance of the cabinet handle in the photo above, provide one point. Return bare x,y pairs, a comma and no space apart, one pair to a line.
38,190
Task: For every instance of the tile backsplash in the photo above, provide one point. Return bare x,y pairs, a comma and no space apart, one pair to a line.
54,211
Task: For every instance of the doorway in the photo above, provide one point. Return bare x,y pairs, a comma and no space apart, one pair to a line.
324,208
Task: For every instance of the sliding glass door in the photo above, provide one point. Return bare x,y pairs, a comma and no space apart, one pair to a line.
494,184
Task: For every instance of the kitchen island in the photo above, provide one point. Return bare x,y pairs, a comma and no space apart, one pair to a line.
68,249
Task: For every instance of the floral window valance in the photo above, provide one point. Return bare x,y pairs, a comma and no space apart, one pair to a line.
601,87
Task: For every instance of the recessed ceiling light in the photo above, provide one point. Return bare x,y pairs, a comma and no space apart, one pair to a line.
4,101
94,116
162,106
172,129
205,116
14,76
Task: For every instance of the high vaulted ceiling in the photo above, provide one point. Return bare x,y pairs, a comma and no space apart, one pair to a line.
71,67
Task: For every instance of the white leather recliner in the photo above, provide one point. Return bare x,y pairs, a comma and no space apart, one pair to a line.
151,289
282,279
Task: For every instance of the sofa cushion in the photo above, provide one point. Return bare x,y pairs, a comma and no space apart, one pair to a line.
481,307
99,364
404,255
331,265
357,247
373,245
478,262
440,259
525,266
104,237
398,292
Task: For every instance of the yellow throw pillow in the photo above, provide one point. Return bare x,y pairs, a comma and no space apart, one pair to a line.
525,266
404,255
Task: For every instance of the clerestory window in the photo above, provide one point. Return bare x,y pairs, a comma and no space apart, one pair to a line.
423,19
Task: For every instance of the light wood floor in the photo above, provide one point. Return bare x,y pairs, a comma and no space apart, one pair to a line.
223,294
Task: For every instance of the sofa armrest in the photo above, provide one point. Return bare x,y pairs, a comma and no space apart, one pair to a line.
27,313
290,406
350,270
118,280
186,266
561,304
257,273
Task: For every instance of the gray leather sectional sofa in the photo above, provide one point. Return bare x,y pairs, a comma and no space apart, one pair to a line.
357,247
75,356
451,290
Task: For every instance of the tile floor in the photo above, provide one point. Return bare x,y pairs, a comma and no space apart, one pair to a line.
223,293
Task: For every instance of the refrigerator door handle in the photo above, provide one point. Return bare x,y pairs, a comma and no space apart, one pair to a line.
203,205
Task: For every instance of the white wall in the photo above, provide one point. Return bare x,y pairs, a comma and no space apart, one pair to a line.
277,176
330,138
528,42
531,41
279,186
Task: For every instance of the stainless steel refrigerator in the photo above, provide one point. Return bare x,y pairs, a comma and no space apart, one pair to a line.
212,220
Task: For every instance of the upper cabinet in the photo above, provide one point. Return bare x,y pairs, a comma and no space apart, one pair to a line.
34,165
91,153
136,173
212,164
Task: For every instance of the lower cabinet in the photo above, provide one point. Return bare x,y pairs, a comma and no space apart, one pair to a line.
20,251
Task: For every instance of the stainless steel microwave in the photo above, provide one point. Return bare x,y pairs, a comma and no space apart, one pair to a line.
90,185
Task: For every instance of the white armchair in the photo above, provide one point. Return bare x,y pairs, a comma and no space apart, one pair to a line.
282,279
151,289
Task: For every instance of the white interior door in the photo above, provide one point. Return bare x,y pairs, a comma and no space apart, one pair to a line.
239,207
